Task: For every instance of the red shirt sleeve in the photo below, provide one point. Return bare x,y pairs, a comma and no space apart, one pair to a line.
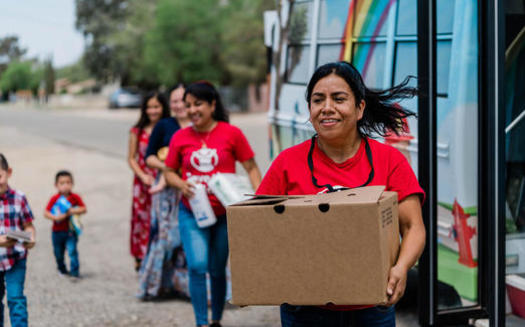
173,160
77,200
402,179
242,149
52,201
274,181
27,215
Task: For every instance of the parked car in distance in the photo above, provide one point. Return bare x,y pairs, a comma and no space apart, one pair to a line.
125,98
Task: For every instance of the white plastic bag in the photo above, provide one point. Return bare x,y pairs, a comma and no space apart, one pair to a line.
230,188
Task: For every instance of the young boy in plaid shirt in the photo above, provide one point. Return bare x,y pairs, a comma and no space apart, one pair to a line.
63,236
15,214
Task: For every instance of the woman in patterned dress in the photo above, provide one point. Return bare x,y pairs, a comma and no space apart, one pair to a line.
164,271
154,108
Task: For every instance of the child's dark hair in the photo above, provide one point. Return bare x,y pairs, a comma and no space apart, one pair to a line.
173,88
204,90
3,162
144,119
62,173
382,115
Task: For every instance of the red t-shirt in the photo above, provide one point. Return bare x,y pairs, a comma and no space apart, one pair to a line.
289,174
200,155
75,200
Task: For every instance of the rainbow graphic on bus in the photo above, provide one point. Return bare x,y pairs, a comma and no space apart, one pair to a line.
365,18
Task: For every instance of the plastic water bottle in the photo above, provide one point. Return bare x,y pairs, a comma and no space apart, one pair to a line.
201,207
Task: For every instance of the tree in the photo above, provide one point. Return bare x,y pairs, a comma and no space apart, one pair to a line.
74,73
130,45
114,31
243,51
98,20
149,43
49,78
19,76
10,50
184,44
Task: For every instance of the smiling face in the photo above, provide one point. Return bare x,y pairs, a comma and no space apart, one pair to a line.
154,110
4,176
200,112
334,112
64,184
177,106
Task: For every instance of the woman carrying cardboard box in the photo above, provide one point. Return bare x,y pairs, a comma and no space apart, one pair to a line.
345,114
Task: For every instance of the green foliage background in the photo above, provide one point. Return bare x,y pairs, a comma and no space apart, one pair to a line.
20,76
153,43
161,42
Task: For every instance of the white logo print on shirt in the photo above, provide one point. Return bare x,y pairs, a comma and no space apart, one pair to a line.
204,159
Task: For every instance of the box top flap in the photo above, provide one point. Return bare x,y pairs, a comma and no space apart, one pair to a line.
263,200
366,195
369,193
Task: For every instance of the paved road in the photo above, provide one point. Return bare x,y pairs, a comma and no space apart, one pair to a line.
93,144
106,131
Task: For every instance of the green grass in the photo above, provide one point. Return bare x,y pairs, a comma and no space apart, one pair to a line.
462,278
473,211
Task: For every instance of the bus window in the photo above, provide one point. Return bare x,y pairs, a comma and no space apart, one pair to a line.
328,53
445,17
369,59
297,64
301,21
332,19
443,67
370,17
298,52
406,62
406,17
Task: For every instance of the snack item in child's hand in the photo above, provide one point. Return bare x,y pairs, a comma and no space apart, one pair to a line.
61,206
75,224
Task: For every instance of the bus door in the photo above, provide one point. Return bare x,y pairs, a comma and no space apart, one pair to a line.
461,163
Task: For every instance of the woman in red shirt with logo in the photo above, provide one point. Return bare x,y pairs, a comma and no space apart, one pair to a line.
195,154
345,114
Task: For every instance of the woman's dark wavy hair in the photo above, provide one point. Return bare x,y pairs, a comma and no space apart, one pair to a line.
173,88
144,119
382,114
204,90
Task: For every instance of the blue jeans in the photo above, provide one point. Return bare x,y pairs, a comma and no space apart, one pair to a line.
61,242
206,251
310,316
13,280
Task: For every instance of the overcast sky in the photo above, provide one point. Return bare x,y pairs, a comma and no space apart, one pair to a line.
45,27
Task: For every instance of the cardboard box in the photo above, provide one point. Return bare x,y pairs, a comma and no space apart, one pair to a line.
314,249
